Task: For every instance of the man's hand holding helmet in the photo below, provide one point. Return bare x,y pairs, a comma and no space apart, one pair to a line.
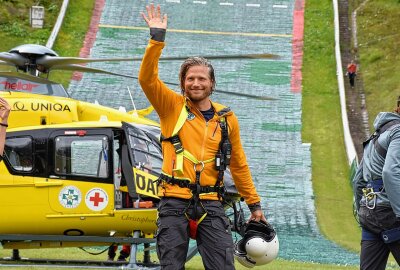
256,212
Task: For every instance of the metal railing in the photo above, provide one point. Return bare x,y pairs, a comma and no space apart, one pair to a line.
57,25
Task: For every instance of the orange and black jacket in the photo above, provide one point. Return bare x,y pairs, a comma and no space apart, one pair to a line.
199,137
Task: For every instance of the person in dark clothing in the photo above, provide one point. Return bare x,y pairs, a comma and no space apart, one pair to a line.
376,186
352,72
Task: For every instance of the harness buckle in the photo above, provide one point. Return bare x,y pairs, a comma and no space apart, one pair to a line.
195,166
176,142
368,193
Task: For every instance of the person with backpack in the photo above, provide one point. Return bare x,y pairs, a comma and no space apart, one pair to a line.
376,186
200,138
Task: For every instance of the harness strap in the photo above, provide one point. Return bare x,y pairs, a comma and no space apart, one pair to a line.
194,160
185,183
197,221
374,137
382,151
223,156
176,142
376,185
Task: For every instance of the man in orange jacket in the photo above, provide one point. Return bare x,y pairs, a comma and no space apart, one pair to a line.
199,139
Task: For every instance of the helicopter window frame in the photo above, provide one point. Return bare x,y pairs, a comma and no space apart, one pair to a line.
150,153
19,156
73,162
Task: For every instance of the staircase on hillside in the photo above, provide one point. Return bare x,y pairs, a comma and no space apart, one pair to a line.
355,97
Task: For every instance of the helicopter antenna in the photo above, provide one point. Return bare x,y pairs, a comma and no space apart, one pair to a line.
133,103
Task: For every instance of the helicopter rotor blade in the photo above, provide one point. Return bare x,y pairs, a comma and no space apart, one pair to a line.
214,57
88,69
234,93
3,63
245,95
13,59
234,56
49,61
95,70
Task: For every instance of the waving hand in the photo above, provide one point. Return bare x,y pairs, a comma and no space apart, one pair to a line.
4,109
154,18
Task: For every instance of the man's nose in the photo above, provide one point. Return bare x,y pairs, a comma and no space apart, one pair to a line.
196,82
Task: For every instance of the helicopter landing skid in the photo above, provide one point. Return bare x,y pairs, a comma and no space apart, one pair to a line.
84,264
132,260
17,260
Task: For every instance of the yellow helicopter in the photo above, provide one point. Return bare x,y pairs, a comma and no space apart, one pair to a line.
74,173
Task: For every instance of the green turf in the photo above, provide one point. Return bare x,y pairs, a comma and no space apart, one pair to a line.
194,264
15,25
378,52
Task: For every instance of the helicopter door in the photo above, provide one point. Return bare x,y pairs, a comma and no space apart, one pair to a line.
143,154
81,159
17,187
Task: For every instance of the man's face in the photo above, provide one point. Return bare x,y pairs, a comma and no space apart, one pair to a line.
197,83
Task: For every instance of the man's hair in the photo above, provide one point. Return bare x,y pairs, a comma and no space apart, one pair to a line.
196,61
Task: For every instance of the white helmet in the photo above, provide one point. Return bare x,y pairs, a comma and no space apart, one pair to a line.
258,246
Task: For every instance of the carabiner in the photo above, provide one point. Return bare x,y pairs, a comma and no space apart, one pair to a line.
195,166
368,198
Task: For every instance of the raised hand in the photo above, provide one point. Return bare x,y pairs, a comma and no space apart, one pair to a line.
154,18
4,109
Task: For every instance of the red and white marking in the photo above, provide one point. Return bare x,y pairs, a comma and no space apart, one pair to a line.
96,199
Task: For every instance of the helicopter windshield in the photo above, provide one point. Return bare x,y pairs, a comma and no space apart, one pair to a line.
11,83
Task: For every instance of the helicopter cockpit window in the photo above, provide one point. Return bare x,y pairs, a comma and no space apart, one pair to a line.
146,154
82,156
20,85
19,153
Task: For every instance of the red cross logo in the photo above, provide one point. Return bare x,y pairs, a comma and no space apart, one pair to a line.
96,199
